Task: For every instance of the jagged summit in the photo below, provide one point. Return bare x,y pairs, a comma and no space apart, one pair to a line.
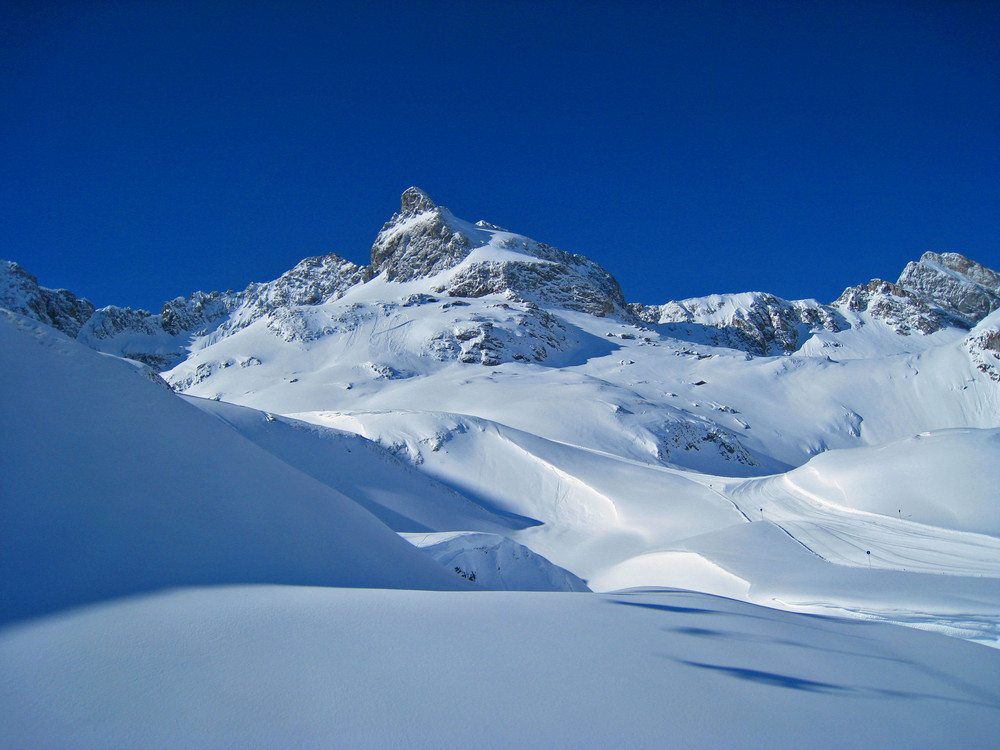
415,201
59,308
425,252
425,240
421,240
960,287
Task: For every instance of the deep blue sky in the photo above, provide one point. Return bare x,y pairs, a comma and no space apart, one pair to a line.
151,149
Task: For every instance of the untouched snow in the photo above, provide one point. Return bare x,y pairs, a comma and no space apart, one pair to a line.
308,667
399,495
619,523
112,485
949,479
496,563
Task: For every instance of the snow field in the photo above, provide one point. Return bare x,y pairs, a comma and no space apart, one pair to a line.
268,666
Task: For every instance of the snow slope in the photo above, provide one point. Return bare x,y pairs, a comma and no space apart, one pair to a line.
495,562
606,440
312,667
949,479
403,498
113,485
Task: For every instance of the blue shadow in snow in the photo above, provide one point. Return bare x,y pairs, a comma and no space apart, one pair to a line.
670,608
771,678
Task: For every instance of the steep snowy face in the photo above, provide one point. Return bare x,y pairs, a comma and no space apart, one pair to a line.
753,322
983,345
901,309
20,293
960,287
112,485
425,240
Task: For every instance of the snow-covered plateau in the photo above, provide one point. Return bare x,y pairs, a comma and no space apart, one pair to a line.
469,495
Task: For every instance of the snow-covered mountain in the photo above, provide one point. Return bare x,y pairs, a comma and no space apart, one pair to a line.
500,406
59,308
459,261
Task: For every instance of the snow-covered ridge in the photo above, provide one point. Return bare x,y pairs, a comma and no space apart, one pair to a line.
753,322
59,308
425,250
164,339
424,240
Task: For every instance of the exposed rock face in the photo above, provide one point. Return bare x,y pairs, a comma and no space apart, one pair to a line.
756,323
983,345
421,240
424,240
521,333
196,312
312,282
960,287
567,281
162,340
20,293
898,307
934,293
682,437
157,340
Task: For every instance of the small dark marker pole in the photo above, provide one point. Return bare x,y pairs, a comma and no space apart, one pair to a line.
761,514
869,553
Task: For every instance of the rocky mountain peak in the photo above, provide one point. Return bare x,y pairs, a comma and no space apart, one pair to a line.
900,308
415,201
960,287
421,240
59,308
424,240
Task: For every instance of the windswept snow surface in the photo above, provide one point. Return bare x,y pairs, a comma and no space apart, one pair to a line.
402,497
618,523
949,479
271,666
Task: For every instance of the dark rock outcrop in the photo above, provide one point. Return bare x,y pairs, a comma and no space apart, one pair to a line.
59,308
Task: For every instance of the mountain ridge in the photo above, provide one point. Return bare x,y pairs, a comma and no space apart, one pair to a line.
425,241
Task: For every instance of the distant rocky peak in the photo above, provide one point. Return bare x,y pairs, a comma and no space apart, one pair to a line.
59,308
422,240
960,287
897,306
415,201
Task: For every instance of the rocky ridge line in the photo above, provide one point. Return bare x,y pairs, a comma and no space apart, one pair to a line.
464,260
